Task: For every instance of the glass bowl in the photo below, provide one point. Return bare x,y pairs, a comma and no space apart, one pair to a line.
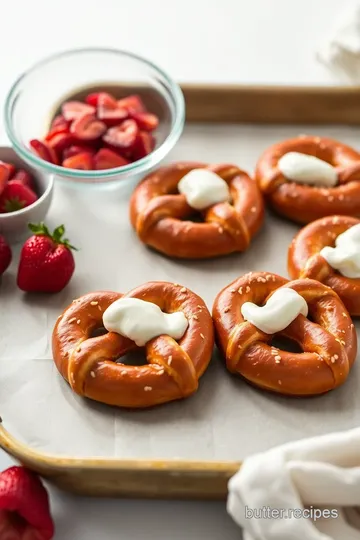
36,96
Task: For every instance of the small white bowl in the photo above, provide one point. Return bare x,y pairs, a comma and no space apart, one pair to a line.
14,225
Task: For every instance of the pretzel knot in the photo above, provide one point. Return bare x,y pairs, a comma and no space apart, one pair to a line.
92,363
305,261
163,219
306,203
328,341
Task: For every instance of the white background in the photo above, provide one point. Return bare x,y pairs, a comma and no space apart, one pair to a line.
243,41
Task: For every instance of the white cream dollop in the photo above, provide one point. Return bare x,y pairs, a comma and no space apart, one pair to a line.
203,188
142,321
345,256
280,310
305,169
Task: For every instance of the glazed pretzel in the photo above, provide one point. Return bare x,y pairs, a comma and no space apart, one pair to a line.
329,343
162,217
305,261
304,203
92,367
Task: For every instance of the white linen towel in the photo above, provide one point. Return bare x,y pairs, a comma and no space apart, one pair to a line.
315,478
341,51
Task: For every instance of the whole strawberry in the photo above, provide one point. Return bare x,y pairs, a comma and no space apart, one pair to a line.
24,506
5,255
46,262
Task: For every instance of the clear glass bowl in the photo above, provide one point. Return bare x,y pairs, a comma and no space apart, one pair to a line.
37,95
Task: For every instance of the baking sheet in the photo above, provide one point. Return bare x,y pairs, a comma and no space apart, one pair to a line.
226,419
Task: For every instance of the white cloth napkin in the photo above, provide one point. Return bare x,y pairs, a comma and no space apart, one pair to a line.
321,475
341,51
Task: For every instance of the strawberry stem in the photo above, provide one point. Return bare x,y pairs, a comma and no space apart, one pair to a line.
56,236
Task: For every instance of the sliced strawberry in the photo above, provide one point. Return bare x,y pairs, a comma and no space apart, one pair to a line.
133,104
60,141
4,176
144,145
74,109
107,159
93,99
82,161
16,196
122,136
88,128
77,149
10,167
58,125
146,121
44,151
108,110
25,178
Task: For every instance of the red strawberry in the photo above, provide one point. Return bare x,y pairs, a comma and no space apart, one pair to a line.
58,125
88,128
74,109
25,178
10,167
4,176
16,196
123,136
46,261
146,121
108,110
93,99
82,161
44,151
77,149
24,506
145,143
60,141
133,104
107,159
5,256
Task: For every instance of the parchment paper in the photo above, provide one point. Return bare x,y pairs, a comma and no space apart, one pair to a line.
226,418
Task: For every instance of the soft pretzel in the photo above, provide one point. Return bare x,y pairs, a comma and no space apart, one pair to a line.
305,203
162,217
306,261
328,341
92,365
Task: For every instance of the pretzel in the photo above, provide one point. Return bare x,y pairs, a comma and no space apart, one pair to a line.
329,343
162,217
305,260
92,365
305,203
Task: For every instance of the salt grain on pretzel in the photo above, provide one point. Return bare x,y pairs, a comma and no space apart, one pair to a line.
93,365
245,345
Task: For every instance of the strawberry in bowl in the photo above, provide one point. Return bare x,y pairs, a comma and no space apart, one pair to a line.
17,188
99,133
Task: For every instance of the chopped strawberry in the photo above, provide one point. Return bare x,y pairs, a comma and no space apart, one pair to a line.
88,128
93,99
82,161
122,136
60,141
144,145
5,256
44,151
146,121
10,167
25,178
108,110
4,176
24,506
78,149
46,262
107,159
133,104
74,109
16,196
58,125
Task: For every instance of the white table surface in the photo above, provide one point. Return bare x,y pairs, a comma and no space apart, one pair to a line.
257,41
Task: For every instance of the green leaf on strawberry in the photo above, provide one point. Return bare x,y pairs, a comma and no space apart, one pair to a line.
56,236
